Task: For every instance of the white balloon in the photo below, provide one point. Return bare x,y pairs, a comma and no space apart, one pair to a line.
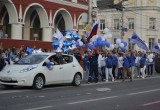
121,45
110,35
103,39
112,47
68,36
106,36
118,41
80,43
116,45
106,30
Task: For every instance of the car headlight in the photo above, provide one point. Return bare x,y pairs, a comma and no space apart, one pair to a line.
29,68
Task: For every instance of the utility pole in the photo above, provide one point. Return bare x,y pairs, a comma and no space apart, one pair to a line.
90,12
122,30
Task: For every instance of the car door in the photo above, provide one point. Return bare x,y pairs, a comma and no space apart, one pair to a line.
68,69
54,75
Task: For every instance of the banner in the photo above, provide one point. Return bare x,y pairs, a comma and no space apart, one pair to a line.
135,39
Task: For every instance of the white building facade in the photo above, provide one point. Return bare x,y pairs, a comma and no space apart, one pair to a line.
140,16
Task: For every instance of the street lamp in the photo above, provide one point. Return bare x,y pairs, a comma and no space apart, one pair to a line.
6,36
35,36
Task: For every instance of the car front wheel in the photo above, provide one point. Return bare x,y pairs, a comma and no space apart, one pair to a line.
77,80
38,82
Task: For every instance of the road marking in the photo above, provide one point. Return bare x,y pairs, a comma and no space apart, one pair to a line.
92,100
40,108
13,91
103,89
151,103
136,93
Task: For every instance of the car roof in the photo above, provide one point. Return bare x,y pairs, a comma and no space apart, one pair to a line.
49,53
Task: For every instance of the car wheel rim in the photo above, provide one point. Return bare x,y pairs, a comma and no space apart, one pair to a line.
77,79
39,82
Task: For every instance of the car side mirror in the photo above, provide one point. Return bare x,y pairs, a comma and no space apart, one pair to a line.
44,64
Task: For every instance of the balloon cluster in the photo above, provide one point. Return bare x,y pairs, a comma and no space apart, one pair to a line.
121,44
70,41
100,42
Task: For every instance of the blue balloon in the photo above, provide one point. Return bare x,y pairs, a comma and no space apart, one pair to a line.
68,44
95,44
76,37
29,51
103,43
49,65
55,44
123,49
107,44
90,46
65,49
69,32
77,44
99,39
125,44
83,46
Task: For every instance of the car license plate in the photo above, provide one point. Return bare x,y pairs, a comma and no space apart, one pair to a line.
6,78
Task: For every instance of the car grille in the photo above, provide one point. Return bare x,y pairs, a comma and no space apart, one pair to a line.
12,81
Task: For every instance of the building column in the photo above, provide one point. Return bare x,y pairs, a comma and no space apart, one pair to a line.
47,34
16,31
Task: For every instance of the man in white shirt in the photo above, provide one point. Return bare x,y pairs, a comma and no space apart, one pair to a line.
99,64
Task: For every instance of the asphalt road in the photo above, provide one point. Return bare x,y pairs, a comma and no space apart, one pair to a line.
141,94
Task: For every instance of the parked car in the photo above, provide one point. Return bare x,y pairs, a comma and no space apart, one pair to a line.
34,70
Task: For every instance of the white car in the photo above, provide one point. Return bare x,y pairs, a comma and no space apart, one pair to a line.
33,70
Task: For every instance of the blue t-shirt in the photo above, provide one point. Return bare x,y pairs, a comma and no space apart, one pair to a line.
143,61
109,63
114,60
86,61
126,63
132,60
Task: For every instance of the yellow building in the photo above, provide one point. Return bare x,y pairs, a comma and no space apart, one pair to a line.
140,16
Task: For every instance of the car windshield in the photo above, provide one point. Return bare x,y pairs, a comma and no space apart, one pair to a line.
32,59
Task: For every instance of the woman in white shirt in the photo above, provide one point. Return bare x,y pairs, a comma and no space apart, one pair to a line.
138,64
120,66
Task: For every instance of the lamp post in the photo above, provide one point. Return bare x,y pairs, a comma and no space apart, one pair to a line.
35,36
123,28
6,36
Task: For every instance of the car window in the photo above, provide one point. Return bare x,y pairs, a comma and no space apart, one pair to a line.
32,59
53,59
68,59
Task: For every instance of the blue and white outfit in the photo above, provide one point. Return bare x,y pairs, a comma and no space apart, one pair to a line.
109,66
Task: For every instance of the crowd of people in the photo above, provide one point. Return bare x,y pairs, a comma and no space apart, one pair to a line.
115,64
107,65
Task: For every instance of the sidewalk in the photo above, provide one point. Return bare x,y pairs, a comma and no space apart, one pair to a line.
155,75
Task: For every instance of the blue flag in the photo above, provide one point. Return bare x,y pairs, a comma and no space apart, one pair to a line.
135,39
156,48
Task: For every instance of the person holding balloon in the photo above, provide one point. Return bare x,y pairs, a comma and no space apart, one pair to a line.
93,59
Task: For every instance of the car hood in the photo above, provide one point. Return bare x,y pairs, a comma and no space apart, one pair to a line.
12,69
